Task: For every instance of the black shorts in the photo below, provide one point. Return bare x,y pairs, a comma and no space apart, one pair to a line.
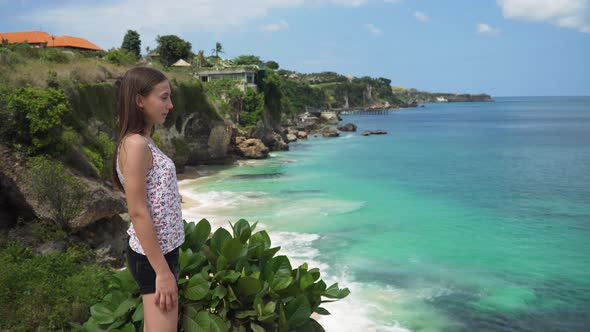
142,270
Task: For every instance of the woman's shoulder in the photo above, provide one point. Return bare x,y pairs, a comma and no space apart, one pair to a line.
134,141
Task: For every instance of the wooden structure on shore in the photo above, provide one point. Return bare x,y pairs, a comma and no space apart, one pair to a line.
365,112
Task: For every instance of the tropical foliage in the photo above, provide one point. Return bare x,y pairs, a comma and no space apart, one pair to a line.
228,282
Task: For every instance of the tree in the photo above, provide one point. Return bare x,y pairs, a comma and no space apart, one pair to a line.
132,43
272,65
247,60
172,48
218,49
201,61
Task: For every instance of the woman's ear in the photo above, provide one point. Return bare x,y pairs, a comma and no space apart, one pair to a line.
139,101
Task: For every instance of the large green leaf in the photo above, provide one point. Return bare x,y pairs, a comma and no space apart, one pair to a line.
259,242
232,249
221,263
248,286
279,265
334,293
242,230
102,314
298,311
197,288
218,240
256,328
305,281
124,281
202,231
283,323
190,325
129,327
210,322
219,292
138,314
125,306
321,311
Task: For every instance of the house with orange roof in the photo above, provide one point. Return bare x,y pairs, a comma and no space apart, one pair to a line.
43,39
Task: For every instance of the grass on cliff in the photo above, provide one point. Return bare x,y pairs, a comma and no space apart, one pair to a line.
21,65
41,293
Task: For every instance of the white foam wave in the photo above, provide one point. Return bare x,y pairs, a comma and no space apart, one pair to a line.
212,200
319,206
357,312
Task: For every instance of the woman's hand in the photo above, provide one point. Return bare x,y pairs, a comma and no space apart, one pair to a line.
166,291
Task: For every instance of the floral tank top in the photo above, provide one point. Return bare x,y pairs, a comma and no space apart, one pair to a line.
163,200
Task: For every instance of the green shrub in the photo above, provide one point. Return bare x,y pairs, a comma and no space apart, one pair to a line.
253,108
100,152
36,118
41,293
53,186
24,50
9,58
100,155
157,139
120,57
227,282
55,55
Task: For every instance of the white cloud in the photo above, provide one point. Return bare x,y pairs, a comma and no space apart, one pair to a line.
373,29
420,16
274,27
485,29
105,23
573,14
351,3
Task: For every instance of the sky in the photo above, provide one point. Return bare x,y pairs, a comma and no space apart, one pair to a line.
499,47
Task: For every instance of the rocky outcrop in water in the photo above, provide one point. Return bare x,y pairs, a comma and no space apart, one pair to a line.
374,132
348,127
251,148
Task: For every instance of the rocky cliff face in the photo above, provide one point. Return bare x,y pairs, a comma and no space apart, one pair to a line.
98,224
193,134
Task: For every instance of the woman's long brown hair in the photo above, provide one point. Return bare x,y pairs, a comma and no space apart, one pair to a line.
136,81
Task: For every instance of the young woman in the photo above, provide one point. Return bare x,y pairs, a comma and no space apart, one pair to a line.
148,179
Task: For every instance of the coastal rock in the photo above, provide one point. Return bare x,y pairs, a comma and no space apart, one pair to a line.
238,140
274,142
108,238
374,132
219,140
301,135
348,127
253,148
330,132
329,118
50,247
102,201
291,138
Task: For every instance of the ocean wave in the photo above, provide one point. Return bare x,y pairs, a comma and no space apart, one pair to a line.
357,312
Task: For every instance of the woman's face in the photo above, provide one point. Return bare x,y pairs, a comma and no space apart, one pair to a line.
157,104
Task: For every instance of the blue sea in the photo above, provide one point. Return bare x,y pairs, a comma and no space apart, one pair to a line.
464,217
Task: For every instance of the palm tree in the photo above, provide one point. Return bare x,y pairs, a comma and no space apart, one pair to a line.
218,49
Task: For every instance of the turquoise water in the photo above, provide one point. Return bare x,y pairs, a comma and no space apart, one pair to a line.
465,217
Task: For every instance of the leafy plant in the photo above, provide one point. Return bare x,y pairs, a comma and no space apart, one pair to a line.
36,117
172,48
228,282
132,43
120,56
54,186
